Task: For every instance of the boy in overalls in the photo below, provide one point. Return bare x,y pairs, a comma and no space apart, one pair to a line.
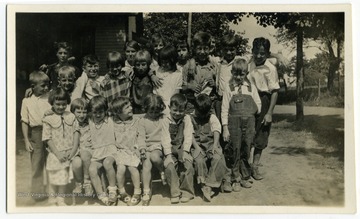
241,102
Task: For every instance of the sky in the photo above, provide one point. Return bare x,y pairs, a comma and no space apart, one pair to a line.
253,30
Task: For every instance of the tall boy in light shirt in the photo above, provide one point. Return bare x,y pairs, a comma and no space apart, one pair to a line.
32,113
264,76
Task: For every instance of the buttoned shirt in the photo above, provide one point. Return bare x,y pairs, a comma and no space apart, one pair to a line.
33,109
264,77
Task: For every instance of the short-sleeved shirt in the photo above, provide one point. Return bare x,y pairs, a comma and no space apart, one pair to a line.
112,87
264,77
33,109
85,135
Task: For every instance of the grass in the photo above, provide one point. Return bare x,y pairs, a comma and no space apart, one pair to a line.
327,98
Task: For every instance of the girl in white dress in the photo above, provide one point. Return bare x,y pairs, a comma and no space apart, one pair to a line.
58,132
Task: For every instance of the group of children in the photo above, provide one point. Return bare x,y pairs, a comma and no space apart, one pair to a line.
189,116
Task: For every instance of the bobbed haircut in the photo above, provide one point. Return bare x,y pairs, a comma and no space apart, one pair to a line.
59,94
98,103
78,103
154,102
117,105
170,54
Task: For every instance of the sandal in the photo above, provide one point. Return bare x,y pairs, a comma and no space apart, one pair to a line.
124,197
135,199
112,195
146,199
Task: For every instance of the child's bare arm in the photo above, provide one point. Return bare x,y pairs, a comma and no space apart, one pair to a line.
75,145
25,131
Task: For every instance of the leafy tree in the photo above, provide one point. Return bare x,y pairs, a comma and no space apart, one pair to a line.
326,27
174,25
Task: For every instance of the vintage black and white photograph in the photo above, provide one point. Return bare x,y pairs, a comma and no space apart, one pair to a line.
191,109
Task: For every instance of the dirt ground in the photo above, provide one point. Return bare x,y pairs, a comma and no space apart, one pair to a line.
302,166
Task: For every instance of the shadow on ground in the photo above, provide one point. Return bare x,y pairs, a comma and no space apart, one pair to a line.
327,131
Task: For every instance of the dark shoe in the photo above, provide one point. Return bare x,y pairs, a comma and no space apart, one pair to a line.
255,173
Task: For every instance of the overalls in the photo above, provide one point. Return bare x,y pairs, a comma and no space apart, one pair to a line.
184,181
242,109
217,171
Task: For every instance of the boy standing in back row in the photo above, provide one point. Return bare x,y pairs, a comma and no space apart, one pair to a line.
264,76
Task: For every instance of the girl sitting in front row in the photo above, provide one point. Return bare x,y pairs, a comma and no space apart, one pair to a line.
150,144
82,137
127,157
103,143
58,133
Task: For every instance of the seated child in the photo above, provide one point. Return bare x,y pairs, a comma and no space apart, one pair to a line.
103,142
128,156
82,136
207,149
240,104
88,84
141,84
177,139
150,145
32,113
58,132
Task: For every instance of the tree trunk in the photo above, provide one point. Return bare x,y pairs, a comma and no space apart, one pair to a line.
334,64
299,70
